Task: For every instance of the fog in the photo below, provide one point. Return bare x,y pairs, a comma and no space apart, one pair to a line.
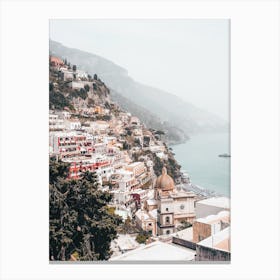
189,58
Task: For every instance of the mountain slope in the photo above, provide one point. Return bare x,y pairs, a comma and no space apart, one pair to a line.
165,106
173,135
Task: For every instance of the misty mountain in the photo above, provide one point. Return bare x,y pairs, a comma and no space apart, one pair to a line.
143,100
173,135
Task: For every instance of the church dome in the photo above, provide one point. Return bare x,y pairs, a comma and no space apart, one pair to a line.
165,182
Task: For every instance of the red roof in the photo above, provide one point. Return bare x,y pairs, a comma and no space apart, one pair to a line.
56,60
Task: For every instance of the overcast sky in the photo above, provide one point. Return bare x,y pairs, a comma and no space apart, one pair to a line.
189,58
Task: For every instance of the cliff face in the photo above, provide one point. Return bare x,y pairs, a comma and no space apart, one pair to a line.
92,94
77,95
153,106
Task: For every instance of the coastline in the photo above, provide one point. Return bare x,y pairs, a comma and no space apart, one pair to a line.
201,192
205,163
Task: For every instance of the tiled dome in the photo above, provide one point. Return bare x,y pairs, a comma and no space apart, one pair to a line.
165,182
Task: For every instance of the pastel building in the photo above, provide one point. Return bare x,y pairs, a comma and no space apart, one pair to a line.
171,205
210,225
174,206
147,220
137,168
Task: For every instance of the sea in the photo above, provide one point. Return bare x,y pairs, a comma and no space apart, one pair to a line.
199,157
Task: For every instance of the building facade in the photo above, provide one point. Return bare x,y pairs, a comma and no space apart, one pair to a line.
173,206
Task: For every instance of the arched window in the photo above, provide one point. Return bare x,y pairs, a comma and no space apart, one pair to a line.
168,231
167,220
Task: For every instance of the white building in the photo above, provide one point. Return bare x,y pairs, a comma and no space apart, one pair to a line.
157,148
81,74
157,251
99,127
100,148
104,172
67,74
211,206
147,220
64,143
75,84
79,84
121,197
64,115
73,124
162,155
123,213
55,123
126,180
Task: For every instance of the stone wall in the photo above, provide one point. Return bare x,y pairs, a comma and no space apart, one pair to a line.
211,254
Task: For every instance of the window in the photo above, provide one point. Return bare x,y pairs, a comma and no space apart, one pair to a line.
168,231
166,209
182,206
167,220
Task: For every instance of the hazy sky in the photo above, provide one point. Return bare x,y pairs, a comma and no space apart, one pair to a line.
189,58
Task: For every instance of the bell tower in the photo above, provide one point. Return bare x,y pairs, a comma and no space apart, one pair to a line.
165,216
165,212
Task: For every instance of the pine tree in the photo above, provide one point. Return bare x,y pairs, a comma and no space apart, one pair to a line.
80,222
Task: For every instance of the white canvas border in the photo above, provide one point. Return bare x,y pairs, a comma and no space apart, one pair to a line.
255,137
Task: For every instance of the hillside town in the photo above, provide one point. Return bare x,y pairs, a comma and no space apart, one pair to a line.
165,216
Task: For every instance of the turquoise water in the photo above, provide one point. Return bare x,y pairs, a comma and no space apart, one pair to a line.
199,157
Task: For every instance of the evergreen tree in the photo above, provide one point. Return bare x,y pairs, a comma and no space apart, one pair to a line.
86,87
80,222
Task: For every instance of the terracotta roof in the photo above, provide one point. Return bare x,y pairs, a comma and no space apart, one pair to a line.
56,60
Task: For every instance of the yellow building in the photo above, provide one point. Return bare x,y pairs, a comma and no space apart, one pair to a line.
137,168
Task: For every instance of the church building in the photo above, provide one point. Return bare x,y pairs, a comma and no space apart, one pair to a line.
173,205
